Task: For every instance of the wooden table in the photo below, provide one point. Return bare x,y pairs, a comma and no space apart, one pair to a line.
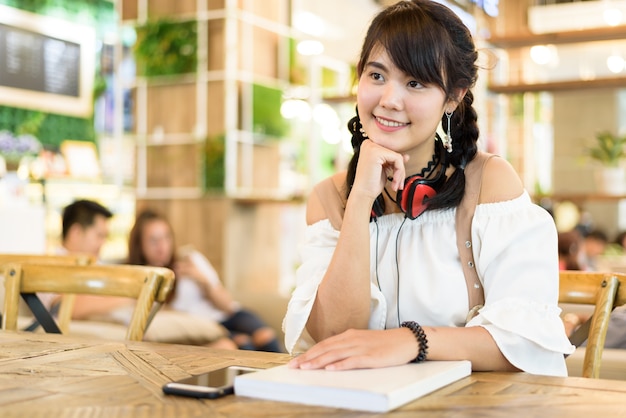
47,375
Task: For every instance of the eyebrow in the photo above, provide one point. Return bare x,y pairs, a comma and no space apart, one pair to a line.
376,64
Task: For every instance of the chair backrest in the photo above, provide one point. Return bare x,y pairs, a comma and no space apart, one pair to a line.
603,290
56,259
144,284
67,301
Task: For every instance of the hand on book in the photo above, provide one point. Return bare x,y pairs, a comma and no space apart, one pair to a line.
360,349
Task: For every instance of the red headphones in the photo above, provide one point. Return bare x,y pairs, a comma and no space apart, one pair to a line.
413,198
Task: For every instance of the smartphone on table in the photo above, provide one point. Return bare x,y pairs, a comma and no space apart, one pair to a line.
213,384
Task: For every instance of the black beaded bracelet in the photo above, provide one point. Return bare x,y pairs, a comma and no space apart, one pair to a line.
420,335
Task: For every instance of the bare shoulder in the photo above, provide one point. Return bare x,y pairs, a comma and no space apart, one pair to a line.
500,181
327,199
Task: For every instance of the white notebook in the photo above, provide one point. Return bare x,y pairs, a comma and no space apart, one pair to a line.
376,390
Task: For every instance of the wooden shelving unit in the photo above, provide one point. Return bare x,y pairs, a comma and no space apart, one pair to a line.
239,44
598,83
585,35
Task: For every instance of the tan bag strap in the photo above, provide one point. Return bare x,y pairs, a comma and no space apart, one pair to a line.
332,195
464,216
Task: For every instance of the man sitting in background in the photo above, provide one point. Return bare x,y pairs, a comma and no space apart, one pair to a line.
85,229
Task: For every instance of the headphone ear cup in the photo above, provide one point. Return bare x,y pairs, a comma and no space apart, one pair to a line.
377,209
405,194
413,199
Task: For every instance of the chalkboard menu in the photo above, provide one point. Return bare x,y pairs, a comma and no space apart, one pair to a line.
46,64
36,62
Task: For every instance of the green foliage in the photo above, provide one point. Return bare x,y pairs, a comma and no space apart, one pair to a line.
267,119
214,168
609,149
96,13
51,128
166,47
28,5
31,125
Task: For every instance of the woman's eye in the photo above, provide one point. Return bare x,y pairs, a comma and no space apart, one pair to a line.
377,76
415,84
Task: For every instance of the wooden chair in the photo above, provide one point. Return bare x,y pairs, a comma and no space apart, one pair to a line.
603,290
57,259
148,285
67,301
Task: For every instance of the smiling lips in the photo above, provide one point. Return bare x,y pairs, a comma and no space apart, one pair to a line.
389,124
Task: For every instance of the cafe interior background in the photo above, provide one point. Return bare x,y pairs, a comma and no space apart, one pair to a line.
223,114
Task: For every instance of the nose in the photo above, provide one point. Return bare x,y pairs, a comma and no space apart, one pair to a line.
391,97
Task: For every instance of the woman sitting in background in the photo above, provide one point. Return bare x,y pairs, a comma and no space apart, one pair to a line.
198,289
570,250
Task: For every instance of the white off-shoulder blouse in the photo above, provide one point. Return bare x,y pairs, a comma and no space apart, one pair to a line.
416,275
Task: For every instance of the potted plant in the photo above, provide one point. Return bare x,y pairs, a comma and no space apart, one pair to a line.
610,151
15,147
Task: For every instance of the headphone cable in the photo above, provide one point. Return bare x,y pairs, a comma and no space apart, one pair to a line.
398,273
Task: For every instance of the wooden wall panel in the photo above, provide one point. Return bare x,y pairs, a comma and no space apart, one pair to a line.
175,165
172,108
169,8
254,240
215,4
265,51
129,9
215,58
165,8
265,169
268,9
215,109
512,19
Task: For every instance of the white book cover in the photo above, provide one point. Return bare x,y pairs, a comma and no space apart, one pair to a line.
375,390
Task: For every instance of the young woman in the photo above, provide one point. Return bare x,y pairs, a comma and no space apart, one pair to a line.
198,289
385,285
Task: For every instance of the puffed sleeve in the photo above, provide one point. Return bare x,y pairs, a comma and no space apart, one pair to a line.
515,248
315,254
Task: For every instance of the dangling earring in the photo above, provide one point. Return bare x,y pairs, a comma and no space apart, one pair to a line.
447,141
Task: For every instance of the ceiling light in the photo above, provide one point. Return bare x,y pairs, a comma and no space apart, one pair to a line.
613,17
542,54
615,63
310,47
325,115
331,135
295,109
309,23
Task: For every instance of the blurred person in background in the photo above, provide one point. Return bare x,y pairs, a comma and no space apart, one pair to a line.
595,243
198,290
570,250
85,229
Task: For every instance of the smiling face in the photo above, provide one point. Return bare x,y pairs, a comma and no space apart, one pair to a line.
396,110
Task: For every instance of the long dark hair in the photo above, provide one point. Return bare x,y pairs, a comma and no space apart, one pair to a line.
135,247
428,41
